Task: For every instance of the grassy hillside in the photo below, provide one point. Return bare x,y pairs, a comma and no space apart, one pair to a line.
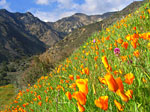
109,72
6,94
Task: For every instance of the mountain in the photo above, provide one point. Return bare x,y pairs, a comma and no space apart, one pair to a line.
14,40
22,34
75,39
68,24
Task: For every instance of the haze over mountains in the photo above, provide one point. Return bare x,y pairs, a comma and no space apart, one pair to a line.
22,34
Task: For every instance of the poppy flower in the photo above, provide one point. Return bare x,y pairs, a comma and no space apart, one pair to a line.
118,105
102,80
133,44
102,102
68,94
128,37
107,38
80,97
120,84
136,53
119,40
82,85
124,58
115,44
129,93
129,78
103,51
39,97
40,103
95,58
112,84
86,71
144,80
105,62
123,96
78,77
80,107
134,28
71,77
125,45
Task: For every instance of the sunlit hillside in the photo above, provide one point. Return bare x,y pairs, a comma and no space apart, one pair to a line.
110,72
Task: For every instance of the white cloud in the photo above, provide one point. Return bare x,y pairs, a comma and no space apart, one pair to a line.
42,2
99,6
50,16
68,7
4,4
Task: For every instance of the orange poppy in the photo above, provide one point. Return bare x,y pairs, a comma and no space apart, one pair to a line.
80,97
123,96
136,53
73,86
39,97
120,84
95,58
102,80
129,78
128,37
125,45
115,44
68,94
40,103
86,71
97,52
119,40
124,58
82,85
78,77
80,107
112,84
107,38
103,51
118,105
133,44
71,77
105,62
102,102
129,93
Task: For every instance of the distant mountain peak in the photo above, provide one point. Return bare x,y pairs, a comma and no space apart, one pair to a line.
29,13
80,14
3,11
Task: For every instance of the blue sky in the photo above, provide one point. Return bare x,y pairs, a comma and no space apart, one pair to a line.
52,10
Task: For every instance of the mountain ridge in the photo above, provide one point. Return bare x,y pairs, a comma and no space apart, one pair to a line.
31,29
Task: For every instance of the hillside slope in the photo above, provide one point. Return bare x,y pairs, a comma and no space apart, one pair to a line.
75,39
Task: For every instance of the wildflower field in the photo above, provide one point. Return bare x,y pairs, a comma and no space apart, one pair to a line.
110,72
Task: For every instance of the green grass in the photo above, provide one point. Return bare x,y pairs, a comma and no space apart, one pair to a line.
48,94
6,95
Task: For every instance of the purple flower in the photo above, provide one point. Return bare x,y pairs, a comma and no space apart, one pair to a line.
94,41
130,62
117,51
